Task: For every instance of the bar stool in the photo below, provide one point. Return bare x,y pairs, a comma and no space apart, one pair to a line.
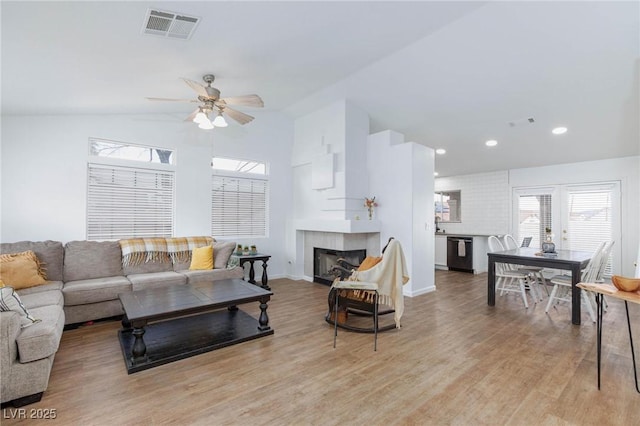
362,286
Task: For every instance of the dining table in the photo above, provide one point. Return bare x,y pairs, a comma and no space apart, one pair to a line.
571,260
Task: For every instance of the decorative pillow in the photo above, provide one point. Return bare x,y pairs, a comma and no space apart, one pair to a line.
223,251
10,301
369,262
21,270
202,258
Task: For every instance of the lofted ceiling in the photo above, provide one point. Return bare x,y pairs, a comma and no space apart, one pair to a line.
446,74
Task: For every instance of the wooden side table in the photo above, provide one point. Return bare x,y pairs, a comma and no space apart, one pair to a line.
607,289
251,258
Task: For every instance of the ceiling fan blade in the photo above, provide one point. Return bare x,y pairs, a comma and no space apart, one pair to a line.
197,87
192,115
173,100
246,100
240,117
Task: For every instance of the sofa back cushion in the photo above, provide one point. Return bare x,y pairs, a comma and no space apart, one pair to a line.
49,253
222,251
84,260
147,267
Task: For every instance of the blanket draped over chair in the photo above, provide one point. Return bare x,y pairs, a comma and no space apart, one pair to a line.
390,275
140,250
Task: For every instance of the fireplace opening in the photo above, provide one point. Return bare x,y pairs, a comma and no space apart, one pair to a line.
325,259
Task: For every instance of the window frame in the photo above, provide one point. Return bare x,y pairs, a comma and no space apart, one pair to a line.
115,164
250,177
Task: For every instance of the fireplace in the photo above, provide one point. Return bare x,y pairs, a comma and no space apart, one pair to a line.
324,259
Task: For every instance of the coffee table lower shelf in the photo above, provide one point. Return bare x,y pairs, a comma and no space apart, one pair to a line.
181,338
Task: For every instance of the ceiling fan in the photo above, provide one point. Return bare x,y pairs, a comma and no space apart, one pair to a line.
212,103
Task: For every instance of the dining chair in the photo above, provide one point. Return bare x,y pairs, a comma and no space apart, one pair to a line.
536,279
507,279
562,287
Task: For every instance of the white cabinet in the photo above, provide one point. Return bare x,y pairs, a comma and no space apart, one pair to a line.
441,252
480,261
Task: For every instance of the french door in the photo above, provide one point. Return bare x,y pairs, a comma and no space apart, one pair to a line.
580,217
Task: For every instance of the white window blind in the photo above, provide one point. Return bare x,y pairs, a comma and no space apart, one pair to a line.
590,219
239,207
534,216
125,202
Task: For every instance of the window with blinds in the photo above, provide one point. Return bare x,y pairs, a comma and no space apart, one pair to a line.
239,206
590,222
534,216
125,202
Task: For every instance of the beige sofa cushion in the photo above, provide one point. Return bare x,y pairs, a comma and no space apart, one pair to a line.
43,298
212,275
41,339
50,285
156,279
222,252
94,290
84,260
148,267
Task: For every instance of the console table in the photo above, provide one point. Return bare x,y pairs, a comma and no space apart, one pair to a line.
244,258
607,289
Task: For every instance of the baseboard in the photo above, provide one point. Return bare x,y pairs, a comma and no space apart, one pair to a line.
420,292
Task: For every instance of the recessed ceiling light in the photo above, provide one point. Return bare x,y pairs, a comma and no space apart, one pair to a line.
435,173
441,151
559,130
491,142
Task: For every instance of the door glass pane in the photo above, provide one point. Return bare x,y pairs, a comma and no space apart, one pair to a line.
534,215
590,220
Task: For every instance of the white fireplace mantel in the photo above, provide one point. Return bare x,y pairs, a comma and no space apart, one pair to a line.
344,226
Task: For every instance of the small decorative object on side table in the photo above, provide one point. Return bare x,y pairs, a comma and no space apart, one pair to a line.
248,257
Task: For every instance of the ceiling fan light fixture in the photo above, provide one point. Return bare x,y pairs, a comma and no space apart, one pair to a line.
206,125
219,121
200,117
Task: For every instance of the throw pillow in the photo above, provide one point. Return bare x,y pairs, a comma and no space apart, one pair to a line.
223,251
21,270
202,258
10,301
369,262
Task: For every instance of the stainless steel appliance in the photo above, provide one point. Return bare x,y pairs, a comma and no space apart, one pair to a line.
460,254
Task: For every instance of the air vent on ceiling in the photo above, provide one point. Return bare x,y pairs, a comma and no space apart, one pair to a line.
521,122
169,24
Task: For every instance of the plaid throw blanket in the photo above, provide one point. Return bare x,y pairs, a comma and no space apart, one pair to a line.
141,250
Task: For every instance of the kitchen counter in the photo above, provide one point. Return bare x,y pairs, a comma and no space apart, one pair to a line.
479,251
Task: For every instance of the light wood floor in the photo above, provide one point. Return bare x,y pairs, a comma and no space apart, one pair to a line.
455,361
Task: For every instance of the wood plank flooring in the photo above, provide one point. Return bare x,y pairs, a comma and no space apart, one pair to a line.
455,361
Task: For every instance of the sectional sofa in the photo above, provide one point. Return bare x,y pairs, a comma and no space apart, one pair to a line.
84,279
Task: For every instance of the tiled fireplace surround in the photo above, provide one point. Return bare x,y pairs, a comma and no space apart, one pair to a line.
370,241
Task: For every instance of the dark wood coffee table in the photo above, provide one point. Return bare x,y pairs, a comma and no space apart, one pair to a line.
171,323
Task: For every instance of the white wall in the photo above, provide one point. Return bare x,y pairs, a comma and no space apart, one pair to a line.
485,203
401,178
340,129
44,171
